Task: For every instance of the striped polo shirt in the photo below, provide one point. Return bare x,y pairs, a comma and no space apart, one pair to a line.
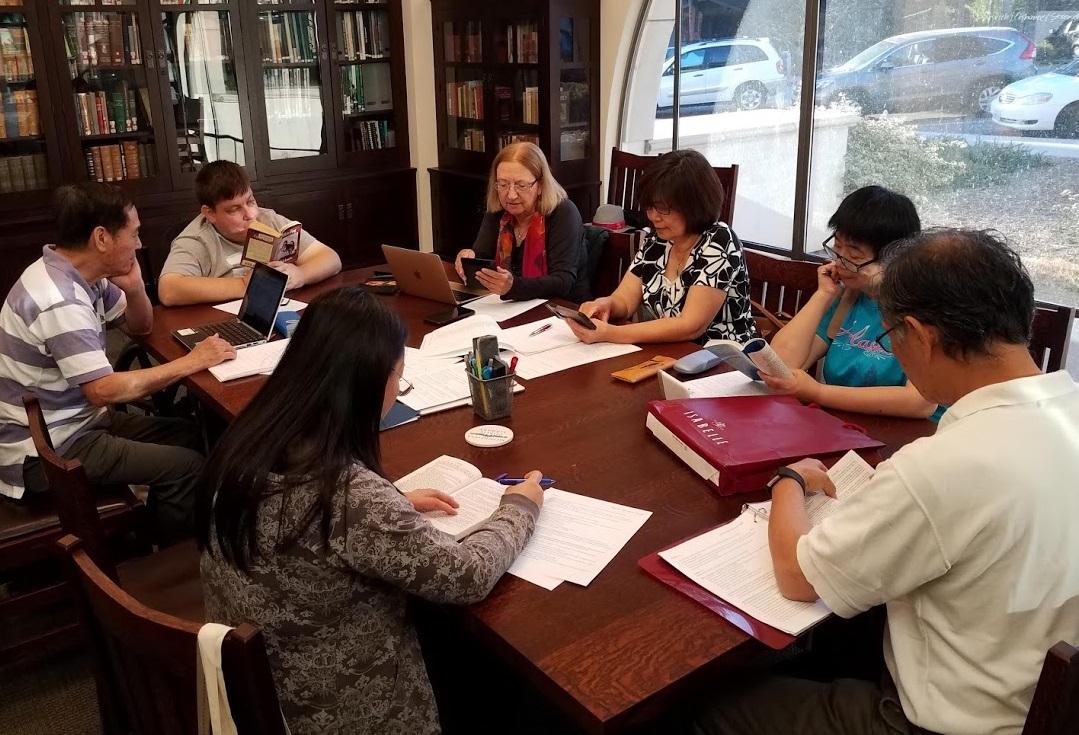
52,341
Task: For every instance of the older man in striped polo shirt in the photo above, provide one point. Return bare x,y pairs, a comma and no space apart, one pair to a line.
52,344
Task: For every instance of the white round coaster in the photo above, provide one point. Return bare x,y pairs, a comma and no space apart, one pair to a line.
489,435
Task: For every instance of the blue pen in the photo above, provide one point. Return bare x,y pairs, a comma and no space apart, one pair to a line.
504,480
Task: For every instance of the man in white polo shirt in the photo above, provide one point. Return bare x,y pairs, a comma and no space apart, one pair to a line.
969,537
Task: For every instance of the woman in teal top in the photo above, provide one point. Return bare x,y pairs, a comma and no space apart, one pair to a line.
841,322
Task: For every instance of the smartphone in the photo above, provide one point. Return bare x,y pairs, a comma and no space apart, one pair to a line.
471,266
453,314
573,314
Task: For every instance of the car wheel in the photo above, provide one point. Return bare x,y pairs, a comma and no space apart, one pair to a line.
982,95
1067,124
750,96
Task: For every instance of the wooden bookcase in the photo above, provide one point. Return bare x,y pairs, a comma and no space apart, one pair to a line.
527,70
308,95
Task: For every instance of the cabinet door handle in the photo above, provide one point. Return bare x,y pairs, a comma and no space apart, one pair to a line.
349,205
340,212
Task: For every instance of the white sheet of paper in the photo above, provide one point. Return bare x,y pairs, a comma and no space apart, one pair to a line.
534,573
456,339
570,356
556,335
577,536
733,383
249,361
233,307
493,306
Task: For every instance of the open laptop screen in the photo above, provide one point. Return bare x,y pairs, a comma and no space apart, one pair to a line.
263,296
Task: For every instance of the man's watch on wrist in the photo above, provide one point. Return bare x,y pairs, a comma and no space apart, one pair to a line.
788,473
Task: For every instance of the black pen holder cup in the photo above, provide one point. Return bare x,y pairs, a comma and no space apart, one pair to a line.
491,398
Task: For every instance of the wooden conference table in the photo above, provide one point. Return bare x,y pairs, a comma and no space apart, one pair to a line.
625,648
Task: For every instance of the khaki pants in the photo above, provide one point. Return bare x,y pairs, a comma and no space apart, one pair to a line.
130,449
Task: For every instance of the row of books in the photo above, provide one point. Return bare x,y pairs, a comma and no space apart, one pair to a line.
369,135
16,63
472,139
364,34
366,88
105,40
119,162
506,138
287,37
463,41
530,106
103,112
465,99
102,2
20,117
520,45
23,173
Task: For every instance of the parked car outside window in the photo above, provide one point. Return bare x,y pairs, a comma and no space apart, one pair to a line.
1043,102
747,72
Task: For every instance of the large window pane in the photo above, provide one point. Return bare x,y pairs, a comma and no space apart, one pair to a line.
739,65
971,109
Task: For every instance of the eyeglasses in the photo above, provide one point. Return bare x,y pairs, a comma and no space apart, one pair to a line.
884,341
662,211
845,262
518,186
404,387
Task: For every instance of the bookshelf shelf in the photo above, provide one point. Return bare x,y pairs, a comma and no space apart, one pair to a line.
290,65
358,62
367,114
22,139
136,135
513,125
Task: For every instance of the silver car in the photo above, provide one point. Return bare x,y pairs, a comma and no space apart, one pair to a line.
958,68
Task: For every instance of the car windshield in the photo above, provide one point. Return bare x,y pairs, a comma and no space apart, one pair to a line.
866,56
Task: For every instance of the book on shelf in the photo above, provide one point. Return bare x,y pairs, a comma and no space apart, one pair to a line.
506,139
737,443
107,111
21,117
16,62
472,139
372,135
366,88
530,104
287,37
519,44
465,99
124,161
463,41
364,34
101,40
23,173
265,243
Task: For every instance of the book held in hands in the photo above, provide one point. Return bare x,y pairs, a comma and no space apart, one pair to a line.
266,244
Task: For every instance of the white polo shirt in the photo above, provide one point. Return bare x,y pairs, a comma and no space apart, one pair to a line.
971,537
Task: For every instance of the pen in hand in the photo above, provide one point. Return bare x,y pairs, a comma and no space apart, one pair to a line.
541,330
504,480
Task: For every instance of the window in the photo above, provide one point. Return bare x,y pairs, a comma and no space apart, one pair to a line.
717,56
971,109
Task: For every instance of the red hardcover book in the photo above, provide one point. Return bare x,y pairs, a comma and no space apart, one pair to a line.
736,443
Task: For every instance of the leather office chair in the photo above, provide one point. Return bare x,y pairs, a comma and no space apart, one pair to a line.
623,187
146,670
1051,335
1055,707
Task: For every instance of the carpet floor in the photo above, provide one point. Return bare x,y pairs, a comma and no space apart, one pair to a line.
53,698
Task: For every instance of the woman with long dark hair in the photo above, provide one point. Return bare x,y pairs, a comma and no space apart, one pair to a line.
303,535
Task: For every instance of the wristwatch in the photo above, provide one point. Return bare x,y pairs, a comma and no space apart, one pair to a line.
787,472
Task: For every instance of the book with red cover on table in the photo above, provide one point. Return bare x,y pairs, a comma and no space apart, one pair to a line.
736,443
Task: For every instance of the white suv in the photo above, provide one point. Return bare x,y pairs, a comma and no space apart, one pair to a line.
745,71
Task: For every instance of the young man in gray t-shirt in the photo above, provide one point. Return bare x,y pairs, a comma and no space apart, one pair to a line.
204,261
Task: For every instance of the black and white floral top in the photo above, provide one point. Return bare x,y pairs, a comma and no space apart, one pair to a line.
716,261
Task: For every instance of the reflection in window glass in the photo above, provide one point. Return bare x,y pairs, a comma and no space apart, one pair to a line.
970,111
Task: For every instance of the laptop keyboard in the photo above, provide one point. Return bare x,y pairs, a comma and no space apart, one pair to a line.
235,333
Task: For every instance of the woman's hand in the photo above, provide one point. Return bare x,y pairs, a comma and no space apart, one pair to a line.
498,281
530,489
466,253
426,499
800,384
827,281
598,309
602,332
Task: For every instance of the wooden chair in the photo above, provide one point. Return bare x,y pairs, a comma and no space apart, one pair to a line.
146,670
623,188
1054,709
778,288
1051,335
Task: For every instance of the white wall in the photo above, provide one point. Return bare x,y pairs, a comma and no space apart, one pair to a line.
618,18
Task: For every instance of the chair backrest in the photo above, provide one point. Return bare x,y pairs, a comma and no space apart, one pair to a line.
1050,335
73,496
146,660
780,285
1054,710
623,187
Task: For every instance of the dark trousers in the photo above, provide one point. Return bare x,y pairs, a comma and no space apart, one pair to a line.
131,449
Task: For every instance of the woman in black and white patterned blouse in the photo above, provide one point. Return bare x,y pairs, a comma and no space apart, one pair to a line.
690,273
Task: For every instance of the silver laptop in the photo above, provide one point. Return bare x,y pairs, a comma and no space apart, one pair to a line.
424,275
254,325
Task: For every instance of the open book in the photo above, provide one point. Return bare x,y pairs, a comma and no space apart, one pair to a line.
734,563
477,497
265,243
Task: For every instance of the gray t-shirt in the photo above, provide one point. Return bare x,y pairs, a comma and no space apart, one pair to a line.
200,250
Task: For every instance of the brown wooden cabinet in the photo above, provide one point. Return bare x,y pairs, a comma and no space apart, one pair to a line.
505,72
307,95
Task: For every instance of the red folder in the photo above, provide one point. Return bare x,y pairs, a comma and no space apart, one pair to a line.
738,442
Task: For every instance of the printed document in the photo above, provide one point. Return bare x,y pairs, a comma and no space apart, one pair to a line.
249,361
570,356
493,306
233,307
456,338
733,383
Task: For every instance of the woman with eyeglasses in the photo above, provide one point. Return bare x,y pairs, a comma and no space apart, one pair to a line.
531,230
305,537
841,322
688,281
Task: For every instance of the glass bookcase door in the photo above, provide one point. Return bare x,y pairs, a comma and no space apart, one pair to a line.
362,50
204,89
294,54
466,86
110,88
23,148
516,81
574,114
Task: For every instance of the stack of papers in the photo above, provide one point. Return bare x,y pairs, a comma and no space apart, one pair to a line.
733,383
454,340
233,307
493,306
438,383
260,359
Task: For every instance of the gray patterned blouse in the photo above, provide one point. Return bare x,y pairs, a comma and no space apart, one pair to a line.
344,654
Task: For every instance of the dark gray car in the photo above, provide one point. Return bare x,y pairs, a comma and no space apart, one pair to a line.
957,68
